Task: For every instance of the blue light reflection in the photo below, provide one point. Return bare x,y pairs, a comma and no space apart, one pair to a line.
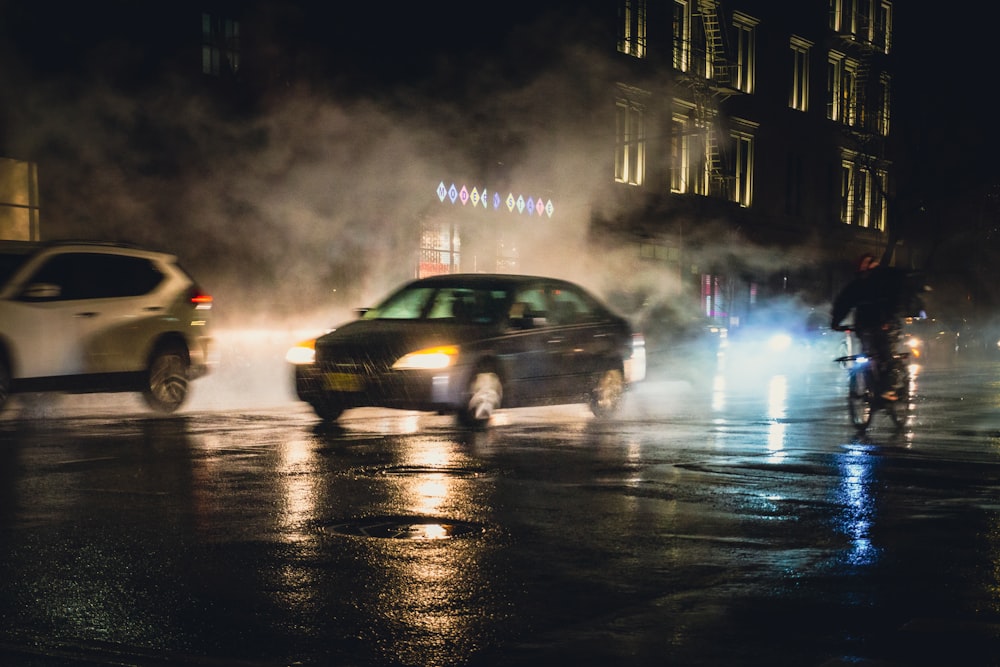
855,495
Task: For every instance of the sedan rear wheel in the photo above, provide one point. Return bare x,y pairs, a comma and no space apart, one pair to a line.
607,396
485,397
167,380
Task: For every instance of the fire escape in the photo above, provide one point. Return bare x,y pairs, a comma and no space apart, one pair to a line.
866,115
708,77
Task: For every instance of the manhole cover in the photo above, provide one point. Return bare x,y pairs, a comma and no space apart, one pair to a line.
406,528
432,470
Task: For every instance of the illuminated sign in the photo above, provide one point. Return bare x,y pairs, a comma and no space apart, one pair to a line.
491,200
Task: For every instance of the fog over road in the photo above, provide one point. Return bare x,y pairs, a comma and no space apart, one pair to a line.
727,521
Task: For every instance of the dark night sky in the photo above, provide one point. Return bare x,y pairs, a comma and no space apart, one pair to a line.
944,94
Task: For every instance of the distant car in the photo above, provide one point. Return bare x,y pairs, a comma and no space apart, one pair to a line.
676,337
469,344
931,340
100,317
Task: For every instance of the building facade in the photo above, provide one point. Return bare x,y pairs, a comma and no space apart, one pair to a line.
747,145
738,149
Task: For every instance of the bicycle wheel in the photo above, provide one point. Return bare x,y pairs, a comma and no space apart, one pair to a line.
859,398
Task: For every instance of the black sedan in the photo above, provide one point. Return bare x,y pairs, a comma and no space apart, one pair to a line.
469,344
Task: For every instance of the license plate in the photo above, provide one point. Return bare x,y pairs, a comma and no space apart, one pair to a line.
343,382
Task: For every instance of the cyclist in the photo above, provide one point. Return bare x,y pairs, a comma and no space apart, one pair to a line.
879,296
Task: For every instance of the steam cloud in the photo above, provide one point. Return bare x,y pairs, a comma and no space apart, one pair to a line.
294,216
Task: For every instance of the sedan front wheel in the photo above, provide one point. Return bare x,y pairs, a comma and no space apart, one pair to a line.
485,397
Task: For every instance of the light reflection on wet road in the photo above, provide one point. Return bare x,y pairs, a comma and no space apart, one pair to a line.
729,522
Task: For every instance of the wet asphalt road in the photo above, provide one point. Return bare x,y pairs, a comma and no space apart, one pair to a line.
723,522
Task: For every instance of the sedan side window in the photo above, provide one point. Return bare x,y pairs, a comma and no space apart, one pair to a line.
529,306
407,304
478,306
569,307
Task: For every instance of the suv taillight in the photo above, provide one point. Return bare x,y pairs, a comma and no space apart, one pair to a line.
199,299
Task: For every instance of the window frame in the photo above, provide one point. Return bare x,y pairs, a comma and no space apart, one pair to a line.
798,97
742,161
885,104
745,38
220,43
630,138
681,31
632,36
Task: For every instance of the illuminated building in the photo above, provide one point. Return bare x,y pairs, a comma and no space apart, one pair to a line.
687,134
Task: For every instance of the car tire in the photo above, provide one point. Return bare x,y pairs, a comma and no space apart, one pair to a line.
485,397
607,396
4,383
166,386
328,411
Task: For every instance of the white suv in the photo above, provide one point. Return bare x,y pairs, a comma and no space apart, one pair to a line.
99,317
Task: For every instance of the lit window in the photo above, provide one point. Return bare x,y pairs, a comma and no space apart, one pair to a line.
680,151
439,249
834,67
799,96
881,208
220,45
656,251
745,42
632,28
863,190
630,149
836,14
873,23
848,18
882,35
884,106
682,35
841,89
847,192
694,153
869,21
848,93
863,197
741,169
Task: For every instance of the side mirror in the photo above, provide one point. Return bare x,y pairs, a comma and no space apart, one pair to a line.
41,292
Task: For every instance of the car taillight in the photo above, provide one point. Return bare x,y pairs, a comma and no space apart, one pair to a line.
199,299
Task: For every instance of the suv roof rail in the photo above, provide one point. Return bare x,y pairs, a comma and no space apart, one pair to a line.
93,242
125,245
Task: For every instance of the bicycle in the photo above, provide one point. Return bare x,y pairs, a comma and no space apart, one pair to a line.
866,388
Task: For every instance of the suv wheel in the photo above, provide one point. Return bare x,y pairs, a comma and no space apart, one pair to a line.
167,380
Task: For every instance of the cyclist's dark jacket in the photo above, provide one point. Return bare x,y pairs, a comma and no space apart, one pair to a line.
878,297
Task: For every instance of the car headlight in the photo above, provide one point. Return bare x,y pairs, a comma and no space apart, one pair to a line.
431,358
302,353
780,342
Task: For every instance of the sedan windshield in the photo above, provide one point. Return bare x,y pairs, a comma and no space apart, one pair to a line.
457,304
